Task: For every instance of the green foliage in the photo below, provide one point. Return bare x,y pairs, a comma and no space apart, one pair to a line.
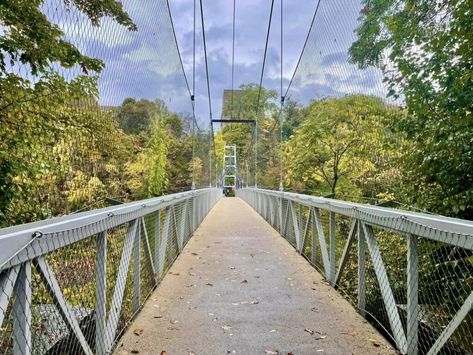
157,160
344,146
30,38
136,117
424,48
46,169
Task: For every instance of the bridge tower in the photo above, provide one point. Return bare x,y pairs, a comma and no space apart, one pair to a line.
230,168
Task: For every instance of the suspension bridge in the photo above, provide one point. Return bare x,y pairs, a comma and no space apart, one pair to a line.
131,230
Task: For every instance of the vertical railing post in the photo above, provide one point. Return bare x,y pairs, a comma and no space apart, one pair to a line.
313,252
301,228
22,320
361,270
137,269
280,216
157,238
101,295
194,227
412,295
333,247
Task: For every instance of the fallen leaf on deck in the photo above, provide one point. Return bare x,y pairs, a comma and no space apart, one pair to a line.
320,350
226,327
138,331
191,274
271,352
321,337
314,309
272,331
191,353
351,332
175,273
310,331
374,342
290,353
158,316
244,282
173,321
209,284
134,351
232,267
254,302
194,254
163,353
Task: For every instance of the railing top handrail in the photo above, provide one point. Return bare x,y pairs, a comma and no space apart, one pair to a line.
446,229
14,238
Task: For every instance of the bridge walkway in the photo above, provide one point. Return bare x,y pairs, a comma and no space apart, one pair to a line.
240,288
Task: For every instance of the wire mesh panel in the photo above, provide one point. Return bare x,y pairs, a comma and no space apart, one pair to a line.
409,274
95,108
77,281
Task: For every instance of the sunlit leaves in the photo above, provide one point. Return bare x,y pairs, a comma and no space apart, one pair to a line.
424,48
30,38
343,146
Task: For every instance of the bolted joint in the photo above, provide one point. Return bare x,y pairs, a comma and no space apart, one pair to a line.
282,99
192,98
37,235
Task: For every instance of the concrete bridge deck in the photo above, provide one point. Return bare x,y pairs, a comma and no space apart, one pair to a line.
240,288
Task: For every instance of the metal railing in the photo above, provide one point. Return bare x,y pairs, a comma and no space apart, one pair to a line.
410,274
71,285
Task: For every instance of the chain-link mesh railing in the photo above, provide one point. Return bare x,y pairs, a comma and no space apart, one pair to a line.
410,274
71,285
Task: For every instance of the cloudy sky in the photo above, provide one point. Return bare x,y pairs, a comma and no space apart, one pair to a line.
145,64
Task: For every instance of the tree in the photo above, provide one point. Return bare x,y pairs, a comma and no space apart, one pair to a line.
424,48
343,146
157,160
57,149
136,117
30,38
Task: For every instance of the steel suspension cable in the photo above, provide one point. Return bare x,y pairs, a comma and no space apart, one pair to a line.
281,105
233,54
177,47
208,86
205,57
304,46
191,94
193,101
259,91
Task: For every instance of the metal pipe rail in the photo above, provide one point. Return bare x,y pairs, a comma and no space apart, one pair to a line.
71,284
416,286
